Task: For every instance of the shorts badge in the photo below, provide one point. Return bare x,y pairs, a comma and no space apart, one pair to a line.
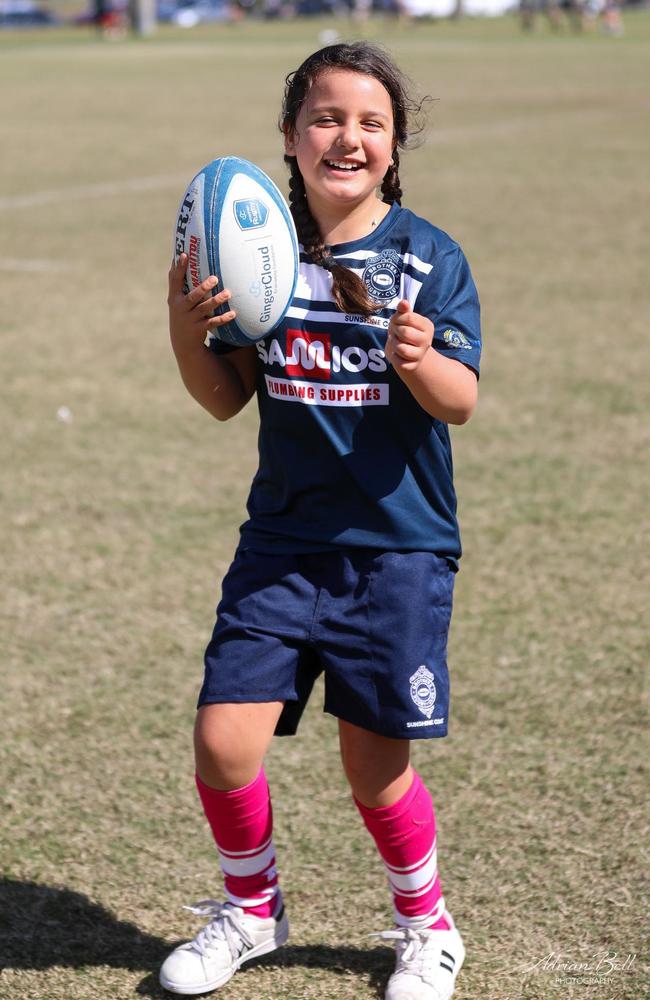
423,690
382,274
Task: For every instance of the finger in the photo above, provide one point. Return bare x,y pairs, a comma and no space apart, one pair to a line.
409,335
421,323
407,352
199,293
402,319
401,309
221,319
177,273
212,302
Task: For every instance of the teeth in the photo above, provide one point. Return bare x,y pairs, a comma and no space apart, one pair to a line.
342,166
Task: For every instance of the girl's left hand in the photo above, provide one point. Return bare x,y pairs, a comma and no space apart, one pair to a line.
409,338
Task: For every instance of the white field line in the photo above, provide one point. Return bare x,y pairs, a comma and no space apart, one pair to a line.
33,266
106,189
137,185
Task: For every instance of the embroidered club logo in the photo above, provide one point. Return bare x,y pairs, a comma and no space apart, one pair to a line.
382,274
457,339
423,690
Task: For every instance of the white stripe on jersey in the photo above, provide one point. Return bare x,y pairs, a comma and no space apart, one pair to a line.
314,285
410,260
329,318
420,265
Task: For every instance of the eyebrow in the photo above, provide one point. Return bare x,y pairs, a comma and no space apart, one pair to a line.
319,108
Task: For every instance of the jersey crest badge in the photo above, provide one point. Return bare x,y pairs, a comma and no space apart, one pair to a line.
381,275
423,690
456,339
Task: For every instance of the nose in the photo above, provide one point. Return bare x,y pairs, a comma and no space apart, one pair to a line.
348,137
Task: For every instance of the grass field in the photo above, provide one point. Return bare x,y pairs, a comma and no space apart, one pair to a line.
119,519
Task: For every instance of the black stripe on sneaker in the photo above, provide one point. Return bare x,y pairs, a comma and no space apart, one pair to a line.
449,957
279,915
447,967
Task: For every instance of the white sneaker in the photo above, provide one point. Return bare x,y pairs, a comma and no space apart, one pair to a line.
427,963
231,938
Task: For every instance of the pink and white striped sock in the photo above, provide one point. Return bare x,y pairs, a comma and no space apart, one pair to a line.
405,834
241,821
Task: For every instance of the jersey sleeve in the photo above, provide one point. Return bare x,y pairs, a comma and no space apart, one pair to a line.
449,298
218,346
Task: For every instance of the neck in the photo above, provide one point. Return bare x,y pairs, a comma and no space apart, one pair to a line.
344,226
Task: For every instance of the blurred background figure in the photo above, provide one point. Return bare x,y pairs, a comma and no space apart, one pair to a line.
528,10
109,18
612,17
361,9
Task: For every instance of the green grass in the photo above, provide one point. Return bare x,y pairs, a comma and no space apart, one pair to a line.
118,525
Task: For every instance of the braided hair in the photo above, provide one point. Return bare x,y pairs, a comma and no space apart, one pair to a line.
348,290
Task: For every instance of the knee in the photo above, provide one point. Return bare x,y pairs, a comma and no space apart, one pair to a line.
377,768
355,769
223,760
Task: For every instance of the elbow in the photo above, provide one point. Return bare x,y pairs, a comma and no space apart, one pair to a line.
464,407
458,419
222,415
464,400
461,416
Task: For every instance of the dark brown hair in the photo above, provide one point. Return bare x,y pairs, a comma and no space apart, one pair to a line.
348,290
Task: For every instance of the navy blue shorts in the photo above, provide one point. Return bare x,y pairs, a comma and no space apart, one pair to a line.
375,623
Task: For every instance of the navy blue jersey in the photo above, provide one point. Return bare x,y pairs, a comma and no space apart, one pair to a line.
347,457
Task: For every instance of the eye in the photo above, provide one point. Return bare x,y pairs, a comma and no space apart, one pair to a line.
373,126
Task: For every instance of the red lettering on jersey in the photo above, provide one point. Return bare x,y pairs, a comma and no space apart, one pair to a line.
308,354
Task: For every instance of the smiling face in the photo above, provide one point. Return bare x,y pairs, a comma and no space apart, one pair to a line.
343,141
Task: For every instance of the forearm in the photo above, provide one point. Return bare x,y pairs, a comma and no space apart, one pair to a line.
444,387
213,381
222,384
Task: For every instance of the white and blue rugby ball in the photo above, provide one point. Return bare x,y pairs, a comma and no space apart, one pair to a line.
234,222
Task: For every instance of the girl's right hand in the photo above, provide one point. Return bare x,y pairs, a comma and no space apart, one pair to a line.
191,316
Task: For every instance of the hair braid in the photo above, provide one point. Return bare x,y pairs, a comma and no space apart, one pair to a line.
306,227
390,188
348,290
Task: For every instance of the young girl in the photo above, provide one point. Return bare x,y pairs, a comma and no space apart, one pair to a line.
347,560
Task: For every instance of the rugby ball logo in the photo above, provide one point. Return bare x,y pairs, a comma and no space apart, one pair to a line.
234,222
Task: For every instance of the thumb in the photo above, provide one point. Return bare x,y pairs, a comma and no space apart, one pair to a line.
403,306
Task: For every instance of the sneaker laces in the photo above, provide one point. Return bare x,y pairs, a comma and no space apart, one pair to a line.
415,950
225,925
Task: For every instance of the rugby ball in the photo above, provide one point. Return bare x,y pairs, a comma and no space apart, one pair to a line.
234,222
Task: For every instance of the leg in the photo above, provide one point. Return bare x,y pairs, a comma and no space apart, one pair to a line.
376,767
397,811
230,741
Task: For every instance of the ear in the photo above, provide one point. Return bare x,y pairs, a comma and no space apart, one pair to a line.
289,141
